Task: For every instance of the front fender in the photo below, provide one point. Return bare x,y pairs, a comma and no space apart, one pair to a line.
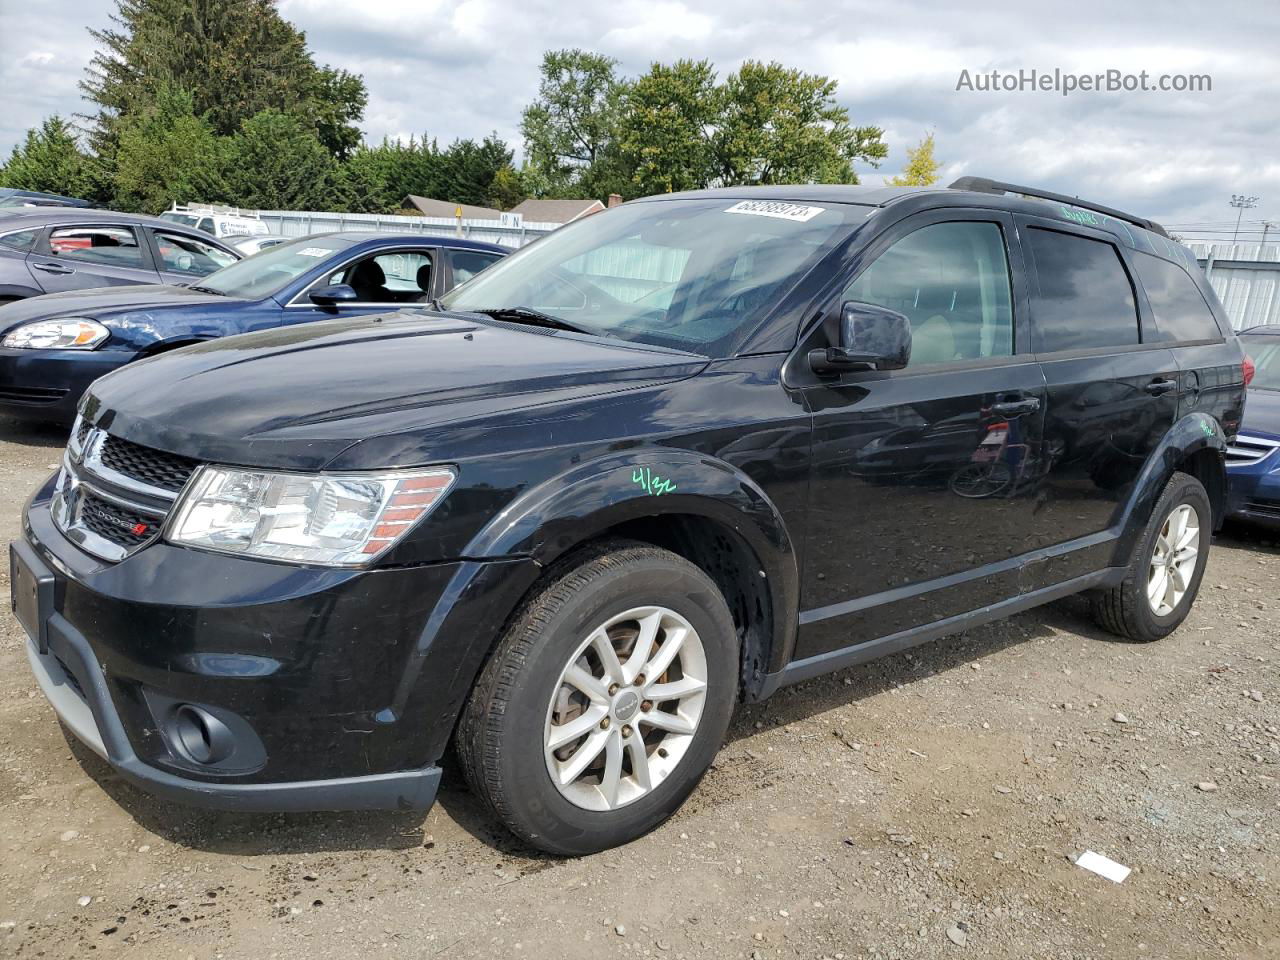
550,519
1190,435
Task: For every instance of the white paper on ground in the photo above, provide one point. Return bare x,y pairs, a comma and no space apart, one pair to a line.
1103,866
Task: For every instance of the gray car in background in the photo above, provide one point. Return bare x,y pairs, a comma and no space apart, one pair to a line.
55,249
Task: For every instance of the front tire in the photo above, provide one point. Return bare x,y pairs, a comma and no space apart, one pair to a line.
1165,570
606,701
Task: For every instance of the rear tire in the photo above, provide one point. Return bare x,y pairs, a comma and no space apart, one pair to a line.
644,741
1164,573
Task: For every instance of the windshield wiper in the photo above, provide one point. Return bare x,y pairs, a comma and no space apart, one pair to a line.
535,318
198,289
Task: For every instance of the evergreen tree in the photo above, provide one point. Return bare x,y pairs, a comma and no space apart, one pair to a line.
168,155
276,162
236,57
49,159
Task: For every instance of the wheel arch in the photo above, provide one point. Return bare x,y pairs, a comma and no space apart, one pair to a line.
1195,444
712,514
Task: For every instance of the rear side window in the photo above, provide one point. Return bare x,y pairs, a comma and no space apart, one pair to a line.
187,255
1180,310
112,246
951,280
467,263
1085,298
22,240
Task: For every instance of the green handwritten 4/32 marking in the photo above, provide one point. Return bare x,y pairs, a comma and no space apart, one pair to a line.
652,483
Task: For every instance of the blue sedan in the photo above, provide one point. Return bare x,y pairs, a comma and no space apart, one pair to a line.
53,347
1253,459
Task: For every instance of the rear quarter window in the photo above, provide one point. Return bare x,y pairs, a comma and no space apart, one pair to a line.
1178,306
20,240
1085,299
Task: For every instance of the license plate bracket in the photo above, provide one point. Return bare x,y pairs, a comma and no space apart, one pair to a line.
30,594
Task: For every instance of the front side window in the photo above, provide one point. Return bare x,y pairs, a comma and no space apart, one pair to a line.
400,277
111,246
951,280
1180,310
189,256
1085,299
695,274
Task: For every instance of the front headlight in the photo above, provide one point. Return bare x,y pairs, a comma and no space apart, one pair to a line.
66,333
339,521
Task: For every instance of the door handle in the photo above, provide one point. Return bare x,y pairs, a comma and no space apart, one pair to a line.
1016,408
1158,388
52,268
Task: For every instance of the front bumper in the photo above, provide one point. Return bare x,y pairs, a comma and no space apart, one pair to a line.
46,385
1253,491
340,687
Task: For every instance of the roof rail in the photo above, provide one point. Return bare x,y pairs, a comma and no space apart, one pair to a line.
983,185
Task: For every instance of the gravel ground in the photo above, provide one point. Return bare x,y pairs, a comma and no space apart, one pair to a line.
929,805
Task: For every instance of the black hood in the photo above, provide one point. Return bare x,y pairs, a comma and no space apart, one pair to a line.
102,302
295,397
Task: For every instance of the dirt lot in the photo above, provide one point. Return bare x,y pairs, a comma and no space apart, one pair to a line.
929,805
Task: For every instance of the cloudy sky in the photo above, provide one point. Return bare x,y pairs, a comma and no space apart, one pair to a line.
465,67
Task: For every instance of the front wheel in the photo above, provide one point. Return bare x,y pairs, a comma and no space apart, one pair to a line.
1165,570
605,702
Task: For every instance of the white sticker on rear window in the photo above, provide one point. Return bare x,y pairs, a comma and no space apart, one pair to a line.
314,252
776,209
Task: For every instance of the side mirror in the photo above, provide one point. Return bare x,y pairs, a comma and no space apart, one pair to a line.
866,337
335,294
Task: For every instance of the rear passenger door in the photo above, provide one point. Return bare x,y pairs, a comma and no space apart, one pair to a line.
81,256
1111,396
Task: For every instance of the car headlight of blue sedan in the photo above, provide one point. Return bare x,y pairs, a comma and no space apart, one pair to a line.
65,333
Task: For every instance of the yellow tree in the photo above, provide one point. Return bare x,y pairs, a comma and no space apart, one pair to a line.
921,169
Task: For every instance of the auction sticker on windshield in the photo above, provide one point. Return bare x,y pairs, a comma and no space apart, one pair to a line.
776,209
314,252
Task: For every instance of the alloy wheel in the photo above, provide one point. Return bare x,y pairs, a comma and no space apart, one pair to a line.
626,708
1173,559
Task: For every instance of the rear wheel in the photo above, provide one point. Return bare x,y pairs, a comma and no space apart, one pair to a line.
605,702
1164,573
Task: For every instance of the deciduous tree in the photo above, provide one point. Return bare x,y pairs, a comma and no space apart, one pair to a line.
921,169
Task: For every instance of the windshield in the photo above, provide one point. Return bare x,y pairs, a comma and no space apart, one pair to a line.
186,219
693,275
1265,353
267,273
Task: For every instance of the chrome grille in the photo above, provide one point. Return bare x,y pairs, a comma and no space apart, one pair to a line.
112,496
1248,449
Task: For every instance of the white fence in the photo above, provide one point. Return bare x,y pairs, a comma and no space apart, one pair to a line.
1246,278
300,223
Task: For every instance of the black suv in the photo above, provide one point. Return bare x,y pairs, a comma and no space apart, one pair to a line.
668,458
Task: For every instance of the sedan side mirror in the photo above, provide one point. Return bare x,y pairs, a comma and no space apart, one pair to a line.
866,336
333,295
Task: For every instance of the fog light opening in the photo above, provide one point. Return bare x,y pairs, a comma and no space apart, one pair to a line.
199,735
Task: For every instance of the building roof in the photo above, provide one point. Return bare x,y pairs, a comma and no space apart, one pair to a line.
556,211
429,207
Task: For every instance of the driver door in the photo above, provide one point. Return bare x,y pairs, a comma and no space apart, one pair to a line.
923,480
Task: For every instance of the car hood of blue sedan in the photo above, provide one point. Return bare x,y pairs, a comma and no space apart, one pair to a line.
1262,413
102,303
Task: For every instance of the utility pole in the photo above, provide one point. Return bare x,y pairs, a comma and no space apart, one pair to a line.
1267,227
1241,203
